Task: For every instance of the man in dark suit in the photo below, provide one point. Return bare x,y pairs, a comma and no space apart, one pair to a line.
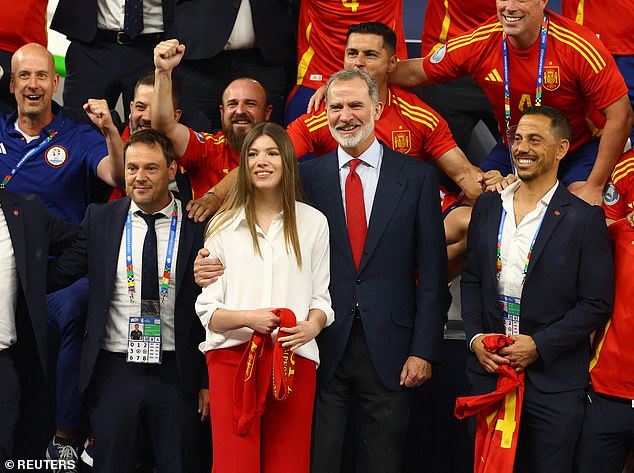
388,281
227,40
109,49
538,269
152,387
28,235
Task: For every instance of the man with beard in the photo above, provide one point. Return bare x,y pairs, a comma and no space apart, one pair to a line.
206,157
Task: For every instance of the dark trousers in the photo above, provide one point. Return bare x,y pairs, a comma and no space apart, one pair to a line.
607,435
381,415
203,81
9,406
128,402
104,69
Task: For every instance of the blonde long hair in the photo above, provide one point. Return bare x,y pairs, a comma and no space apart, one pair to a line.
243,195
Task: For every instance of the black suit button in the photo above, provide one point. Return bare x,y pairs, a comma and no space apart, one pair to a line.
358,281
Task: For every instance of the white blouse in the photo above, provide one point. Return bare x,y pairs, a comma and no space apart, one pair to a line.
272,280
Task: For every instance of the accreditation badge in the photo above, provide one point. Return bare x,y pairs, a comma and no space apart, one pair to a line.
144,340
510,307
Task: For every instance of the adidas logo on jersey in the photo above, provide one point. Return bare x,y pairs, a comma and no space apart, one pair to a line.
3,150
494,76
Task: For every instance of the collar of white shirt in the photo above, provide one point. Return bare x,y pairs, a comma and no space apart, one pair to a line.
508,194
370,156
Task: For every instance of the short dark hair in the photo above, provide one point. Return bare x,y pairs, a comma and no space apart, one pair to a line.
150,136
378,29
148,79
559,123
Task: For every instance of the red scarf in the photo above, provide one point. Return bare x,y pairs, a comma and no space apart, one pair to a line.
262,361
498,420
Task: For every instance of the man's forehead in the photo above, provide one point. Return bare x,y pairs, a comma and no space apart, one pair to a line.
244,89
32,58
142,92
353,89
365,40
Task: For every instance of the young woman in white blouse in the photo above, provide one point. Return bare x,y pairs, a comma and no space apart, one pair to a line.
275,251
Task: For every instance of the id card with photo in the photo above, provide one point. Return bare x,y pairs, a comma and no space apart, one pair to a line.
510,306
144,340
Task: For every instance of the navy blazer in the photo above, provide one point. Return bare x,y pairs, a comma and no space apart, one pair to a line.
35,234
77,19
568,292
204,26
405,240
96,252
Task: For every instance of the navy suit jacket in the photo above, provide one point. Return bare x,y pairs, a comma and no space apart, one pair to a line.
77,19
568,292
405,240
204,26
96,252
35,234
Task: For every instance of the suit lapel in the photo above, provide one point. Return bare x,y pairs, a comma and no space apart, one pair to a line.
185,250
14,215
331,204
389,191
115,223
493,226
555,213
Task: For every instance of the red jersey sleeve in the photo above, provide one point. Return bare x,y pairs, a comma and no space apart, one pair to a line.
310,134
618,197
192,160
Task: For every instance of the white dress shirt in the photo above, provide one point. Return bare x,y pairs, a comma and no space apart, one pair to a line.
272,280
8,287
110,15
516,240
243,33
368,170
117,324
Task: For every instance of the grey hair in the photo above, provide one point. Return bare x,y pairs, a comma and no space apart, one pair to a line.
346,75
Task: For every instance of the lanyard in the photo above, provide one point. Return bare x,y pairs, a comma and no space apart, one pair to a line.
498,249
538,86
25,158
168,257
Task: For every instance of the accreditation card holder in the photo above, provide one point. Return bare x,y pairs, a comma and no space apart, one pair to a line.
145,335
510,307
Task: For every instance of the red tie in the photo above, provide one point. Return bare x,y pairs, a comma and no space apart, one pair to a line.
355,212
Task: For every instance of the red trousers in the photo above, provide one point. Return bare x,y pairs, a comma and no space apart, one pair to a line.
279,440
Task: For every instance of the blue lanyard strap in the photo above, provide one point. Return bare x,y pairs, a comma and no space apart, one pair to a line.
543,37
167,268
498,249
25,158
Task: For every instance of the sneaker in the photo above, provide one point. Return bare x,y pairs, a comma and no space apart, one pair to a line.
88,453
65,454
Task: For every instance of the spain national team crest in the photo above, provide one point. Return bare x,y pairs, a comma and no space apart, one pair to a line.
551,78
56,156
401,141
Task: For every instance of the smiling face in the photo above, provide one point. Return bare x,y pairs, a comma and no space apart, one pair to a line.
265,165
244,105
536,150
33,81
140,108
367,52
521,20
351,115
147,176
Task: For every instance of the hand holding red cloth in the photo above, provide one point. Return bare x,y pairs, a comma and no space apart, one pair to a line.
498,416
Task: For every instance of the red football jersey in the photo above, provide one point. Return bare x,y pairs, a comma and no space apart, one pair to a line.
618,197
407,125
446,19
613,354
207,159
21,23
580,75
322,29
611,21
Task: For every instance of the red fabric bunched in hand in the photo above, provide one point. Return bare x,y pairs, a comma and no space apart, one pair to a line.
498,416
262,361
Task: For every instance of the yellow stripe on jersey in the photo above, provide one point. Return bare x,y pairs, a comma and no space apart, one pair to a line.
479,34
595,359
444,31
302,67
417,114
579,17
622,169
217,141
316,122
579,44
